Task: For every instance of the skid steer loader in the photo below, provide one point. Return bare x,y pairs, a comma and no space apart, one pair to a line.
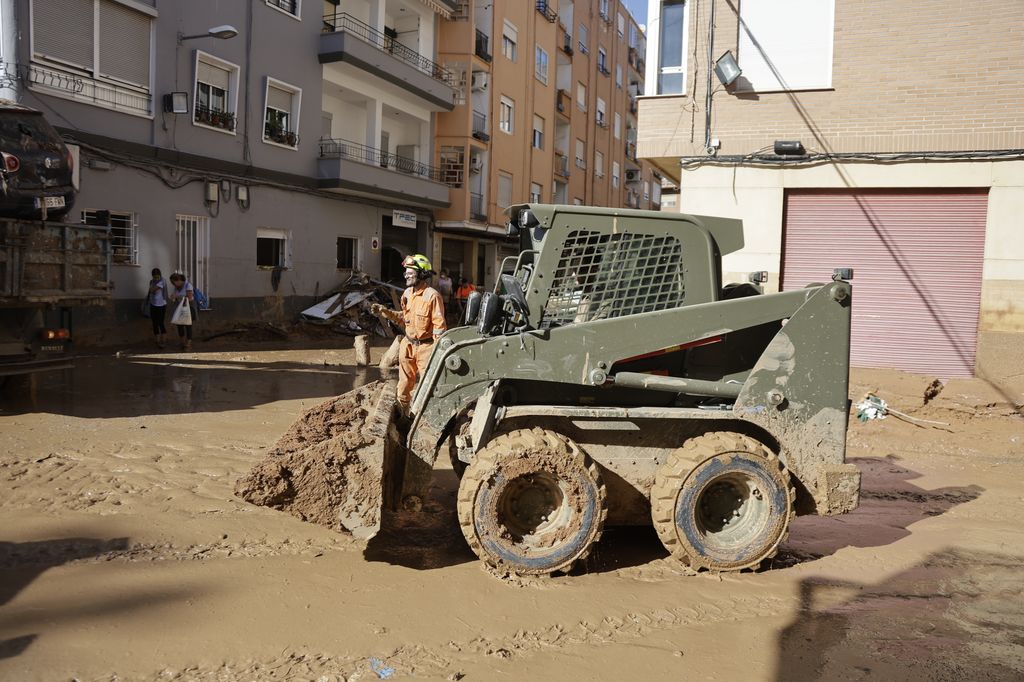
611,378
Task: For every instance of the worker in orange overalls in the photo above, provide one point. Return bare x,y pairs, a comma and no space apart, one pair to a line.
423,316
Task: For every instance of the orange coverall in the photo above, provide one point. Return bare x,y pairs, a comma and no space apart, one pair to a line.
423,314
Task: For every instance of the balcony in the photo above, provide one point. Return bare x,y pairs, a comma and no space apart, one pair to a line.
632,105
476,207
346,39
216,118
480,126
546,11
561,164
482,47
631,151
351,166
563,102
567,43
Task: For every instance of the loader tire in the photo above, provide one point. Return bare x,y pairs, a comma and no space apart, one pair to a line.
722,502
532,503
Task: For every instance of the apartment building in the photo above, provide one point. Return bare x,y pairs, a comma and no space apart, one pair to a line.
546,112
266,148
891,143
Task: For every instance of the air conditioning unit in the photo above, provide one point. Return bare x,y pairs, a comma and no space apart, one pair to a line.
480,79
476,164
632,176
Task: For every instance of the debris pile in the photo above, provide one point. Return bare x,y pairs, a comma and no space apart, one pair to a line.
346,309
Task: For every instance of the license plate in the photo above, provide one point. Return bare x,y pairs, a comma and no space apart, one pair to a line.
51,202
52,349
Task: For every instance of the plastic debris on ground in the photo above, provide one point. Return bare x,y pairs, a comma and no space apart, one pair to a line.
346,309
382,671
873,407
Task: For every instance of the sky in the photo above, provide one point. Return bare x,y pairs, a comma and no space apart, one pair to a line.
638,8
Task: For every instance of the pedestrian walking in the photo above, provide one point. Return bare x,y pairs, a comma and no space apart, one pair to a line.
182,296
157,299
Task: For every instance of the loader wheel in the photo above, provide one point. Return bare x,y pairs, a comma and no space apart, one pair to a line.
722,502
532,502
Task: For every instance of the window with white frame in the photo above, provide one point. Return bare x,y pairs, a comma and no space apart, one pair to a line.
535,191
771,61
281,113
272,248
540,69
506,115
618,76
615,174
601,118
504,189
602,9
124,232
632,35
348,253
509,40
602,60
538,132
598,164
581,96
581,154
292,7
647,190
621,24
95,51
618,126
672,48
584,38
215,98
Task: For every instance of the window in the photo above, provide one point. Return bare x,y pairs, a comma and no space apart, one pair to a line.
618,76
601,119
632,35
602,61
618,126
647,190
538,132
192,234
272,248
584,37
559,192
93,51
540,69
621,24
672,48
290,7
216,93
348,247
504,190
598,164
581,96
124,249
581,154
507,111
281,115
509,39
602,9
535,193
453,161
615,174
773,61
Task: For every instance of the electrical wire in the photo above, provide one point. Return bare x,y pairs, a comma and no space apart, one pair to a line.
757,159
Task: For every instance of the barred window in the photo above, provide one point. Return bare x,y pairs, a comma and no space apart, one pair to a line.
124,229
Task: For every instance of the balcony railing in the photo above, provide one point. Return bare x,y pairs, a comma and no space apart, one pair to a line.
476,206
341,21
563,102
83,88
562,164
631,150
567,43
632,105
546,11
281,136
289,6
215,118
482,47
345,149
480,126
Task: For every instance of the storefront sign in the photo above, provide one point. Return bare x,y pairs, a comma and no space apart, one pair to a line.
403,219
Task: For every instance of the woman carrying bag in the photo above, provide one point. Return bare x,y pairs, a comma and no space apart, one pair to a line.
156,305
182,297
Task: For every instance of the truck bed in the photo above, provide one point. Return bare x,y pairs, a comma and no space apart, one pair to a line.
53,263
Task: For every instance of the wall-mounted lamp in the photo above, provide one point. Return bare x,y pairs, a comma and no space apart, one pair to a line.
727,69
222,32
176,103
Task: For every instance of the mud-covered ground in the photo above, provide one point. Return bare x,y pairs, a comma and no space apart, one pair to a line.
124,554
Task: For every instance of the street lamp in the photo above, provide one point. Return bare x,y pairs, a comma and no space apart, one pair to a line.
221,32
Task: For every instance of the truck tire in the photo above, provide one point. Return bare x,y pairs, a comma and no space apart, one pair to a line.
722,502
532,503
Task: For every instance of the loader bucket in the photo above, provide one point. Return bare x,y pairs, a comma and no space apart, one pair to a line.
330,468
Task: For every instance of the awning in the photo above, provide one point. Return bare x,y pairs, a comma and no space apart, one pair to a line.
439,8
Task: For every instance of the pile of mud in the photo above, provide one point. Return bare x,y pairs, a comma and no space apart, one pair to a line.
327,468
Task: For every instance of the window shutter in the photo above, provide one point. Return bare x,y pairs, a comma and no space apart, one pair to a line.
213,75
63,29
279,99
124,43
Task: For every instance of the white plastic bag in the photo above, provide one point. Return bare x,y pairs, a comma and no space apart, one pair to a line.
182,314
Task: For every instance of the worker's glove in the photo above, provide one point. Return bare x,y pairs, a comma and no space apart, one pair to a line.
376,309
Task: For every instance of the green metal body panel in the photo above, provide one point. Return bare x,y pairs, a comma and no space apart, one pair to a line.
786,355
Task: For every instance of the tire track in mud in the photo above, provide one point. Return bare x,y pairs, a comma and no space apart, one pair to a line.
452,659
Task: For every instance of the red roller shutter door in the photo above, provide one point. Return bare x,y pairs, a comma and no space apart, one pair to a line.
917,257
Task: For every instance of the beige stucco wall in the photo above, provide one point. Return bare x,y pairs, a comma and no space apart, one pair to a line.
756,196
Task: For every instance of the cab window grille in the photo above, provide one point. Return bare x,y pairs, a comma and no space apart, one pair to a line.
601,276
